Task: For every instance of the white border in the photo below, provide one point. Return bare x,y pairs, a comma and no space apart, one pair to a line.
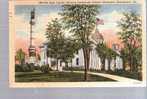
14,84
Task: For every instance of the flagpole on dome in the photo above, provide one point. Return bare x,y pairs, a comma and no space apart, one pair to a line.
99,22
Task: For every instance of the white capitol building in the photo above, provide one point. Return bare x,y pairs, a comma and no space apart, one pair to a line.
78,60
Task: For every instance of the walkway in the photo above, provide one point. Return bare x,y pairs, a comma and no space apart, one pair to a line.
114,77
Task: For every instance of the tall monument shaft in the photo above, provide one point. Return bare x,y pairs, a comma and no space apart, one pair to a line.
32,49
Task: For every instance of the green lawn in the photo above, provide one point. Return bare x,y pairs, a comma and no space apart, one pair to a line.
54,76
132,75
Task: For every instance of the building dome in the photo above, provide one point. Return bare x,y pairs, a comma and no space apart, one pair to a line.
97,37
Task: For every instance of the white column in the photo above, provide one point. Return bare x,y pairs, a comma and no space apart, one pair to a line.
99,64
112,64
49,61
106,64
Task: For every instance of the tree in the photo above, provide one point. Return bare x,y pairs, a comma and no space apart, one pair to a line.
110,54
60,47
101,51
80,20
130,34
105,52
70,47
20,56
124,56
55,38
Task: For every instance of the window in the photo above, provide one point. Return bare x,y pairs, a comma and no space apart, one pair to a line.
77,61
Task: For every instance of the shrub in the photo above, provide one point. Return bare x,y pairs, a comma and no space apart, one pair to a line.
119,71
73,68
37,68
18,68
31,67
24,68
45,69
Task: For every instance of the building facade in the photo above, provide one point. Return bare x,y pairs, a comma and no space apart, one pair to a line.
78,60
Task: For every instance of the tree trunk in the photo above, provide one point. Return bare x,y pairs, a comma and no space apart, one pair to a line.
115,64
88,58
85,63
57,64
109,64
124,64
103,64
86,53
71,66
130,60
66,64
130,63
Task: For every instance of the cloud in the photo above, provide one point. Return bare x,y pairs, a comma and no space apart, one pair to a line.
22,28
42,20
109,29
21,44
41,25
110,20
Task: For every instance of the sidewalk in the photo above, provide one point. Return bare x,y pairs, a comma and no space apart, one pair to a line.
114,77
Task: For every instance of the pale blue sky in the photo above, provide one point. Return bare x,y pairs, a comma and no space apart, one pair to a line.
110,13
45,9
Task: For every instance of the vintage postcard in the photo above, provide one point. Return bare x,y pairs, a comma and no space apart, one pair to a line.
77,43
